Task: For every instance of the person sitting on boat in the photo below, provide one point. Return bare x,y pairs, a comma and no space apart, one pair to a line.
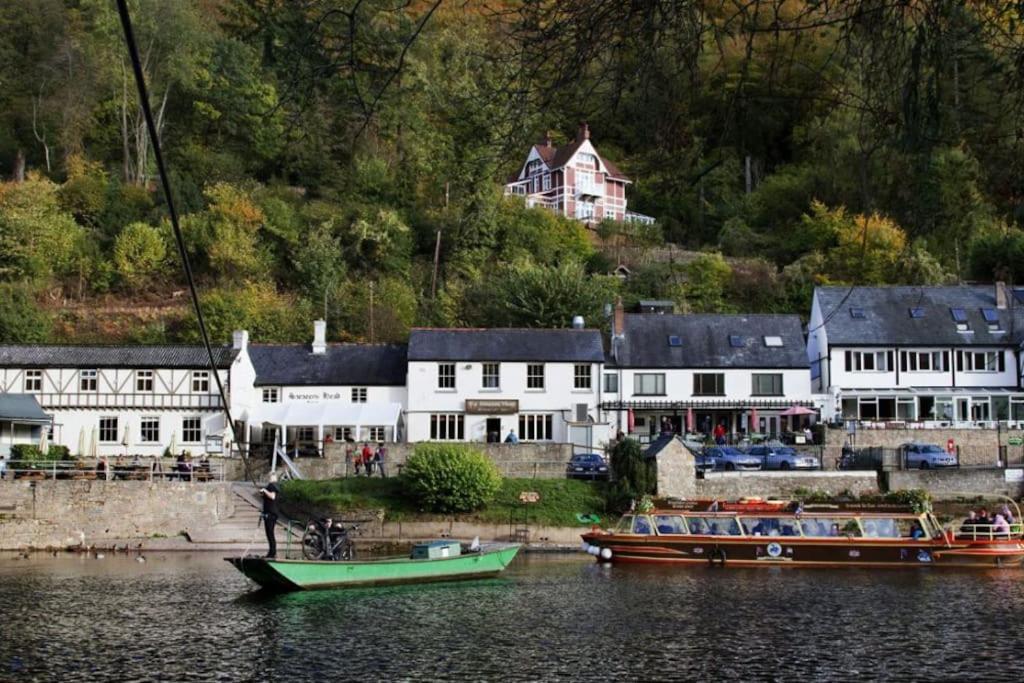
1005,512
916,532
1000,525
969,525
834,531
983,518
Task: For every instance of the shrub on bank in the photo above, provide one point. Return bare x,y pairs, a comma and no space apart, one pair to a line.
450,477
634,477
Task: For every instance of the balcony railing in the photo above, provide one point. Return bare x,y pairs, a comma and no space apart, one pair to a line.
88,399
632,217
587,186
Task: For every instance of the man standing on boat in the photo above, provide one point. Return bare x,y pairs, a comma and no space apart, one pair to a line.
270,493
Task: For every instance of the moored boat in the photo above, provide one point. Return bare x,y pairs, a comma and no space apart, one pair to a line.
758,534
289,575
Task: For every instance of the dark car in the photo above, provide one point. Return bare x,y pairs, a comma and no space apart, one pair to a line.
587,466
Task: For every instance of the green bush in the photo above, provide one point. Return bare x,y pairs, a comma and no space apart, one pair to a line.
31,453
634,476
450,477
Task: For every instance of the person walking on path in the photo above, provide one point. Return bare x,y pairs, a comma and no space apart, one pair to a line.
270,495
379,458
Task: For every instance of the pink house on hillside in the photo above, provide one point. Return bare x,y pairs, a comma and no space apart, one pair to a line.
574,181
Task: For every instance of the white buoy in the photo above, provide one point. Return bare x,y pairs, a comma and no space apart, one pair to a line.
585,547
606,553
594,550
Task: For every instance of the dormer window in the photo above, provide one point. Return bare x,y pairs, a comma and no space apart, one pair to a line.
916,312
588,161
991,316
960,318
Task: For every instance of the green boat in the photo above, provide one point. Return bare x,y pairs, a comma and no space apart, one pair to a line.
425,567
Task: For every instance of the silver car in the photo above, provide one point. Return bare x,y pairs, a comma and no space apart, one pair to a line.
784,458
729,459
926,456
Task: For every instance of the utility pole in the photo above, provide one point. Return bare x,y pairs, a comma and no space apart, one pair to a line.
437,260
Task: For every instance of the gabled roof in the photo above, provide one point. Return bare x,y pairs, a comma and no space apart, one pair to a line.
887,318
703,341
557,157
506,345
21,408
339,365
74,356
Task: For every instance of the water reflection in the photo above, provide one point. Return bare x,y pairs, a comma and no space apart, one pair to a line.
195,618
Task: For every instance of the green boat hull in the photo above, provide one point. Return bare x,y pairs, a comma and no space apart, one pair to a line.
290,575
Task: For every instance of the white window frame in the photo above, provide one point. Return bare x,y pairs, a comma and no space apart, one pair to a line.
446,376
106,424
860,359
582,374
200,381
536,426
546,182
774,377
490,377
359,394
641,381
719,381
447,427
271,394
190,426
33,380
611,382
535,378
916,361
144,381
88,381
146,427
989,361
376,433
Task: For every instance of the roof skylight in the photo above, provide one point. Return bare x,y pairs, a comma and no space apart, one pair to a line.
675,340
857,312
916,312
773,341
736,341
959,314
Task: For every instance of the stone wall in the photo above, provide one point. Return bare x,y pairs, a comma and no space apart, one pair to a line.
733,485
59,514
977,446
675,469
523,460
948,484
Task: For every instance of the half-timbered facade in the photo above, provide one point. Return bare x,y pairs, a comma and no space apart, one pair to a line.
574,181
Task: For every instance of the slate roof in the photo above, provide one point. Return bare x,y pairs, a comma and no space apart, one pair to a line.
21,408
339,365
506,345
704,341
75,356
887,318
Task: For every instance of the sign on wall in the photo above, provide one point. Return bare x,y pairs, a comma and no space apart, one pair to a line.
483,406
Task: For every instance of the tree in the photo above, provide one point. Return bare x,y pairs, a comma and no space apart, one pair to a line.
22,320
37,237
707,278
139,254
267,314
227,233
634,477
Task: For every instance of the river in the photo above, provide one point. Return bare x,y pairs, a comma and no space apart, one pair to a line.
191,617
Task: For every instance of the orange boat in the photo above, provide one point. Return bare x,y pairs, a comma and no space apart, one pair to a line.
755,533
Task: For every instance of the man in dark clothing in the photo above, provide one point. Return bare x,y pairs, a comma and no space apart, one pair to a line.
270,493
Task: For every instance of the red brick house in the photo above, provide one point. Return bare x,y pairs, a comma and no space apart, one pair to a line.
574,181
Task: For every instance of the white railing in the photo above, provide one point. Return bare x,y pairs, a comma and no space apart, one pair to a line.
587,186
632,217
147,469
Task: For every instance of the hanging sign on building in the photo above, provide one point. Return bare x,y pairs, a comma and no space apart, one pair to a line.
485,406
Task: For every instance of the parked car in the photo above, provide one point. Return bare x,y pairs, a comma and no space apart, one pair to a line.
926,455
728,458
784,458
587,466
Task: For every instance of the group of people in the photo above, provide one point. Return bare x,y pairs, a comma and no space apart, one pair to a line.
982,522
368,460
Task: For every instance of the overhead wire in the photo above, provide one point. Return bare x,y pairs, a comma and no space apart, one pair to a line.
140,82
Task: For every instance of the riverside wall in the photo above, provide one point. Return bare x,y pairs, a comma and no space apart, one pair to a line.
948,484
733,485
59,514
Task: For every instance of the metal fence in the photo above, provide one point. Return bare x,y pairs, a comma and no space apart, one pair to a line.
72,470
894,459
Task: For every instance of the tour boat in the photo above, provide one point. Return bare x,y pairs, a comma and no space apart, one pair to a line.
288,575
788,534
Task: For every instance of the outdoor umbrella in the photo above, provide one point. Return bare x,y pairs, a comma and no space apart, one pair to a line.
630,421
689,420
44,444
126,439
94,447
81,442
796,410
173,448
754,428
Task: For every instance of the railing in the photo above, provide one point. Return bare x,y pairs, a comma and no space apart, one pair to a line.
145,470
92,399
589,187
895,423
969,531
632,217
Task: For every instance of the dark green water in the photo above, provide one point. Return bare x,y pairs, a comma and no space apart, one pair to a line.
192,617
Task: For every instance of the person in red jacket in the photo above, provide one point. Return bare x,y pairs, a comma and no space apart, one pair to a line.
367,459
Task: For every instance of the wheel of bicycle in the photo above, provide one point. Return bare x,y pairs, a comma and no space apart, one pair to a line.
312,545
348,551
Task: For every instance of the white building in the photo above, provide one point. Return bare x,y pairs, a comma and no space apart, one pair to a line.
698,371
320,392
940,355
113,400
479,385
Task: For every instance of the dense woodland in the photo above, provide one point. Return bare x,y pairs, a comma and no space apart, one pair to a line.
323,152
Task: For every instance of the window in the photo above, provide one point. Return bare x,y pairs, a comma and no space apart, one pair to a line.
611,382
535,376
343,433
271,395
304,434
924,361
359,394
868,361
675,340
201,382
649,384
584,160
87,380
581,376
192,429
773,341
376,433
149,430
857,313
709,384
492,376
547,182
446,375
736,341
108,430
768,384
536,427
990,315
980,361
143,380
33,380
534,166
916,312
447,427
585,209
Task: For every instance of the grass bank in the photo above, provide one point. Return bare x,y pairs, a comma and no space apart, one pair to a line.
560,499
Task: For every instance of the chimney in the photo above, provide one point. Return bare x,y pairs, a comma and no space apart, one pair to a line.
619,323
319,336
240,340
583,133
577,322
546,142
1002,297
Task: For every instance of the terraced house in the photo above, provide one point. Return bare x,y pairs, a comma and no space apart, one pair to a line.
939,356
